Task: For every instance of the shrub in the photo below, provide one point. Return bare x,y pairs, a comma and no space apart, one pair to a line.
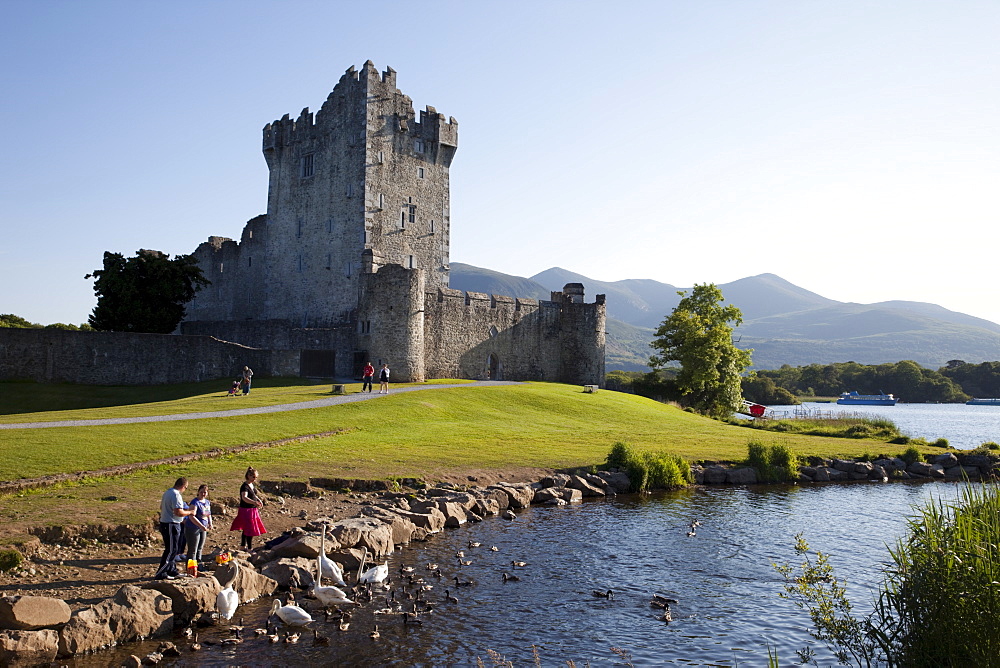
900,440
940,443
9,560
773,463
990,445
649,470
910,455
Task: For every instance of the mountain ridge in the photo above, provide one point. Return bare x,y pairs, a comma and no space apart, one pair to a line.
784,323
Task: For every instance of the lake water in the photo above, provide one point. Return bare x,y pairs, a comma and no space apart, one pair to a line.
728,607
965,427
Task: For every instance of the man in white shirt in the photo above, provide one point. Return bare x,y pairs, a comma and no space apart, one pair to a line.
173,510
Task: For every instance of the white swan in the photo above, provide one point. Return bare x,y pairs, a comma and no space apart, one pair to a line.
292,615
329,568
228,599
376,575
327,595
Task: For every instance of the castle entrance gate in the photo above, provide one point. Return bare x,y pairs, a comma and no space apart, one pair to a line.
493,367
317,363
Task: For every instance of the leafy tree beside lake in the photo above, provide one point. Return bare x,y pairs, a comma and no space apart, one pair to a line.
978,380
145,293
697,334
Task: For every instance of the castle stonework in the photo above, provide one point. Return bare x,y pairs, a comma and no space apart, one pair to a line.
350,263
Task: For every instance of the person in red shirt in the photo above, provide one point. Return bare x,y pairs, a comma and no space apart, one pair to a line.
367,376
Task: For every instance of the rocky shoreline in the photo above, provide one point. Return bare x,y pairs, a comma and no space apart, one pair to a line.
39,629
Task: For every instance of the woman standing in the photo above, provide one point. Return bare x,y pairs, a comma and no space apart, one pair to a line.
248,518
383,379
197,526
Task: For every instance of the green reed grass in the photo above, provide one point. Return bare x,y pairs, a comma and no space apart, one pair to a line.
650,469
773,463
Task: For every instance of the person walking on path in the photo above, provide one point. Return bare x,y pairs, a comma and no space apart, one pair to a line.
366,377
197,526
383,379
247,375
248,518
173,510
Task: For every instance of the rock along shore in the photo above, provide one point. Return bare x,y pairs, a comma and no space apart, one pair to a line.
38,629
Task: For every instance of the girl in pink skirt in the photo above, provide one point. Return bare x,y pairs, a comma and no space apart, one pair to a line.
248,518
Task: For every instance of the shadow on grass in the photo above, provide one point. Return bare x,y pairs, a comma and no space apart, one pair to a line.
29,397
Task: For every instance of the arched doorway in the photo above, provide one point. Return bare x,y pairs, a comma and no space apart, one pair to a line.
493,367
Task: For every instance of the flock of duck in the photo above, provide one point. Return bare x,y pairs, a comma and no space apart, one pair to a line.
409,599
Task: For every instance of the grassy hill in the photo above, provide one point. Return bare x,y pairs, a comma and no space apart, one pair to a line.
423,434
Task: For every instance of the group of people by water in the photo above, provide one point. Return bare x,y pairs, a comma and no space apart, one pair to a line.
187,525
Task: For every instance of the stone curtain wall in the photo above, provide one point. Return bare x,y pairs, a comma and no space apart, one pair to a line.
550,340
120,358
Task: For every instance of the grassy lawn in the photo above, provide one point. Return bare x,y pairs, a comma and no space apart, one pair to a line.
39,402
416,434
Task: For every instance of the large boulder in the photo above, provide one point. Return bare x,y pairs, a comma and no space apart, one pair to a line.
303,544
361,532
28,648
189,597
963,472
454,512
486,506
29,613
554,480
499,496
845,465
296,572
745,475
922,469
546,494
518,496
616,479
131,614
588,489
430,520
821,474
402,528
947,460
715,474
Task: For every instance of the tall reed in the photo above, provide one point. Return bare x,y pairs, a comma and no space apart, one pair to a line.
649,470
773,463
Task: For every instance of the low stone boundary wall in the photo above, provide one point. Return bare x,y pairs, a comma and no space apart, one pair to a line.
124,358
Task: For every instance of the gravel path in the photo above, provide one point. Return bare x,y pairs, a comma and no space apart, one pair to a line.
280,408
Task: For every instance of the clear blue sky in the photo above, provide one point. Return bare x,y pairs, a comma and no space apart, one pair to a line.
852,148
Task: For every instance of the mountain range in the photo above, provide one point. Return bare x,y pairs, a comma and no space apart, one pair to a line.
783,323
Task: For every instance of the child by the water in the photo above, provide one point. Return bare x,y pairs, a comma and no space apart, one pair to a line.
197,526
248,518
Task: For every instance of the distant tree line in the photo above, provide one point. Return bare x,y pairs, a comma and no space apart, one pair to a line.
955,382
17,322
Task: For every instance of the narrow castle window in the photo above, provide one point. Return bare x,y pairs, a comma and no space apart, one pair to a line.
402,218
381,201
300,263
432,226
220,267
420,172
249,261
329,224
306,165
350,190
381,157
298,228
328,260
411,262
411,214
347,269
418,145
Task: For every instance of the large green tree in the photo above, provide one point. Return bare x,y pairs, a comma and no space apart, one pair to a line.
145,293
698,335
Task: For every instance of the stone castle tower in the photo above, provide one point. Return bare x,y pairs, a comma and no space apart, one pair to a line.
350,263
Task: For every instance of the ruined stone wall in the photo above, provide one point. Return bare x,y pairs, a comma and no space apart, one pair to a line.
527,338
124,358
236,272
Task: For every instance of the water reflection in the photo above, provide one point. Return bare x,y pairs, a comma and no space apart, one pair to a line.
727,591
